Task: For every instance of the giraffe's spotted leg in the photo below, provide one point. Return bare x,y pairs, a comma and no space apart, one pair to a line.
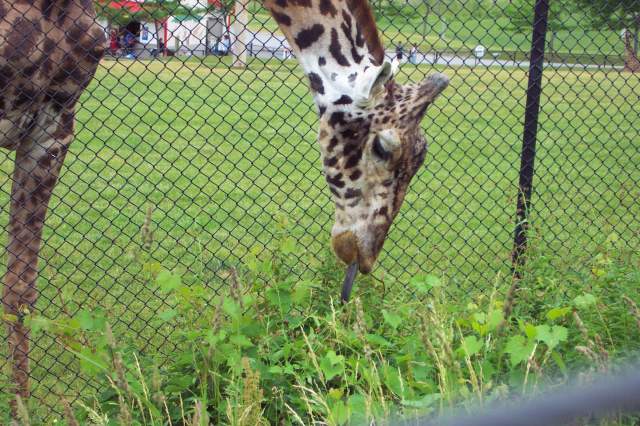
35,176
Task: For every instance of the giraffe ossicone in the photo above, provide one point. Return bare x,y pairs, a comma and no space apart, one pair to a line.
369,125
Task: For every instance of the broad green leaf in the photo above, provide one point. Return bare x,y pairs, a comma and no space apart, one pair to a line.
519,349
393,380
584,301
338,412
530,330
36,324
240,340
424,402
275,369
332,365
167,315
394,320
301,292
424,282
231,308
90,362
85,319
470,346
559,362
556,313
551,336
494,319
168,281
374,339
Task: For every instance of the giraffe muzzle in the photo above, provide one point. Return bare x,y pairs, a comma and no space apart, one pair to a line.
346,247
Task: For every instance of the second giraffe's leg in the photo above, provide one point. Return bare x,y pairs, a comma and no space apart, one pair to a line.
37,166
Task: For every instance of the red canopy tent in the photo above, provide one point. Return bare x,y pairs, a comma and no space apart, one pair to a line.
131,6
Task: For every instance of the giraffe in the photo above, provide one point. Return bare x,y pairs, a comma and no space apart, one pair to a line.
370,138
49,52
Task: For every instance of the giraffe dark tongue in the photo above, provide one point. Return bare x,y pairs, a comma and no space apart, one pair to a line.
347,284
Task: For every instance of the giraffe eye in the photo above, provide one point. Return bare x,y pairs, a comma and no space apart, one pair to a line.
379,150
386,144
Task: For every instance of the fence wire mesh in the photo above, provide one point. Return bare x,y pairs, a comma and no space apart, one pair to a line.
195,147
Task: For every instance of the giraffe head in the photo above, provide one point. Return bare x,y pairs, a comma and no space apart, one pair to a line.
370,136
371,151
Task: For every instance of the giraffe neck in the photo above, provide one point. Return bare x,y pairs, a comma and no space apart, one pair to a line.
336,43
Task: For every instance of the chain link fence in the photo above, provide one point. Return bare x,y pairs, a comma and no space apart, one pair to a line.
195,147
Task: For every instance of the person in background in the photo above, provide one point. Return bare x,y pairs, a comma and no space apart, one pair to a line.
129,42
399,51
226,44
114,43
413,55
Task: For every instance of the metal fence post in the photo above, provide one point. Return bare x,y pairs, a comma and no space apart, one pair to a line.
528,153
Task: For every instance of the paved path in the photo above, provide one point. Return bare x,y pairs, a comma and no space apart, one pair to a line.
268,42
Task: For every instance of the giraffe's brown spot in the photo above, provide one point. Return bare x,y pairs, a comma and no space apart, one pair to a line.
364,17
335,180
308,36
352,193
25,95
336,50
316,83
6,74
47,9
343,100
332,144
349,148
382,211
45,161
65,128
60,100
281,18
321,110
22,39
349,133
327,8
322,61
63,10
330,162
354,159
36,218
337,118
347,28
355,175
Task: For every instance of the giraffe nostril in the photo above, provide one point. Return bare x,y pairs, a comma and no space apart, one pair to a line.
345,246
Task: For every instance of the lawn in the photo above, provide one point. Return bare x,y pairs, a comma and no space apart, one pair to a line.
224,165
464,26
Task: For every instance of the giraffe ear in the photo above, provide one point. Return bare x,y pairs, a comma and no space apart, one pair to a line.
371,83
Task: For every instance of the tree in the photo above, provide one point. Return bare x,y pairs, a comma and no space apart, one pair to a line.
239,30
521,13
617,15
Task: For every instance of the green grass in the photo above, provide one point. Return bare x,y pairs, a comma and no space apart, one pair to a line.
269,348
226,157
478,22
